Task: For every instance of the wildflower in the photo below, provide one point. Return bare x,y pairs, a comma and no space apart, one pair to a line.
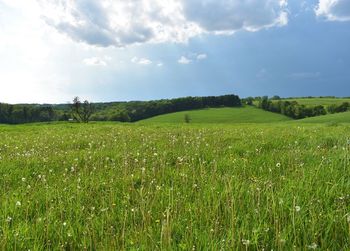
278,164
8,219
23,179
297,208
18,204
312,246
64,224
246,242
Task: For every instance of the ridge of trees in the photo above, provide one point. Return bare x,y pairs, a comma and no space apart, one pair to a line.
295,110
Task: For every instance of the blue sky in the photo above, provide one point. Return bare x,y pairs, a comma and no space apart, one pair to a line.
51,51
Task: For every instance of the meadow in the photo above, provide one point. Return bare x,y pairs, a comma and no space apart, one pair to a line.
319,101
110,186
245,114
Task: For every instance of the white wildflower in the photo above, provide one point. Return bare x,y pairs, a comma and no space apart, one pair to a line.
297,208
18,204
278,164
312,246
246,242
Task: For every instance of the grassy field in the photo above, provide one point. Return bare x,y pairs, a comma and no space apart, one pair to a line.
319,101
246,114
106,186
343,117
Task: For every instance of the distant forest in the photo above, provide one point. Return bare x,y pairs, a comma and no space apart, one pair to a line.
113,111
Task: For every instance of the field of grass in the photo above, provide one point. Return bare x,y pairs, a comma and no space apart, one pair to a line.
343,117
319,101
105,186
246,114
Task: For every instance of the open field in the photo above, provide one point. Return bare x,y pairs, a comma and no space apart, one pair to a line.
247,114
319,101
109,186
343,117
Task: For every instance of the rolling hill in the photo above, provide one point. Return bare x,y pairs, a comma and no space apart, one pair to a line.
343,117
319,101
245,114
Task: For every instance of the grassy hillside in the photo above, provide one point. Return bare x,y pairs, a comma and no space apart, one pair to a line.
343,117
246,114
319,101
185,187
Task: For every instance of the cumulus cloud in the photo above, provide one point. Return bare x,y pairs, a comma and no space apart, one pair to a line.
94,61
334,10
125,22
224,16
184,60
119,23
141,61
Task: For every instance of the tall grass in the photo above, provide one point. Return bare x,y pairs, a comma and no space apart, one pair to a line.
114,187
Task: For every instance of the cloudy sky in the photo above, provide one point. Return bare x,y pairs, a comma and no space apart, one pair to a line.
109,50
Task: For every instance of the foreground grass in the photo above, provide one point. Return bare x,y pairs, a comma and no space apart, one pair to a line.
115,187
247,114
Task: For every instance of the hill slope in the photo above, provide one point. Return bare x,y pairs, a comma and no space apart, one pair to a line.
319,101
343,117
246,114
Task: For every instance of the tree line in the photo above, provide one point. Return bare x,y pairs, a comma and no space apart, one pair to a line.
295,110
138,110
17,114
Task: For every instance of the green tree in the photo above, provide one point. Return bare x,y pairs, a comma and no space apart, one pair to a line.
81,112
187,118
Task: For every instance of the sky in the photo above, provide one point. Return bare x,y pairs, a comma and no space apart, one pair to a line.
121,50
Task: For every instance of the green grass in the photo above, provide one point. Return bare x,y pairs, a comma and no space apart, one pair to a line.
343,117
106,186
319,101
246,114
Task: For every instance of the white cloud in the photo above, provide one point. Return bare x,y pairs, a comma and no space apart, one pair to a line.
184,60
124,22
202,56
160,64
334,10
141,61
228,16
94,61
